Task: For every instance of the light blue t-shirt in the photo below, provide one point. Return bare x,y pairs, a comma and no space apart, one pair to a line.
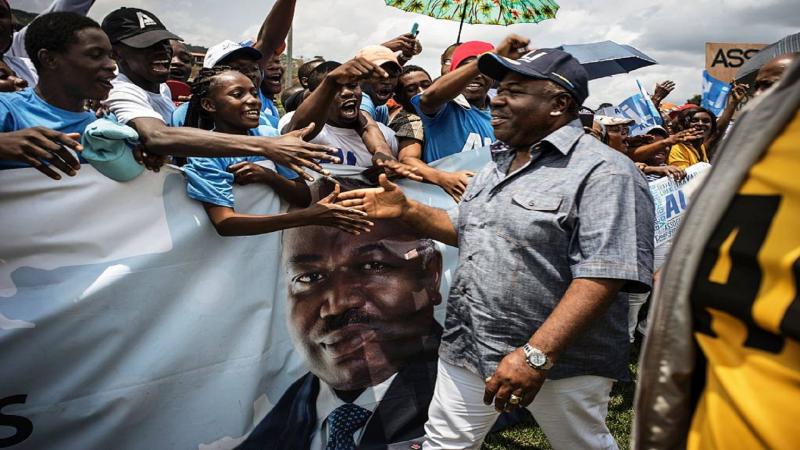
379,114
454,128
209,181
268,110
179,117
25,109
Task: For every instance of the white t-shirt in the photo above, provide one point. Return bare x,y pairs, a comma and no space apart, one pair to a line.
128,101
23,67
352,150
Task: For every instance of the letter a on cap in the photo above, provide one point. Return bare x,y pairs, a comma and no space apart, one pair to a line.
145,20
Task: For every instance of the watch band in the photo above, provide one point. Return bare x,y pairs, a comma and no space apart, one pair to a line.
533,354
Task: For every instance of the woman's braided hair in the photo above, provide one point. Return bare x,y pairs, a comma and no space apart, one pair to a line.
196,116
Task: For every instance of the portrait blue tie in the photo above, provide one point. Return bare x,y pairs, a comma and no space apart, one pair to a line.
342,423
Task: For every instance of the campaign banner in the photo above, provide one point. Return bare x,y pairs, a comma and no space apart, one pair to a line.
715,94
672,198
128,322
641,109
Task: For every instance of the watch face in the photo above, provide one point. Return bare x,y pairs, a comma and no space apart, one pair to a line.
538,359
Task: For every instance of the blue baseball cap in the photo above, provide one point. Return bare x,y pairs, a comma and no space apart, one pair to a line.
551,64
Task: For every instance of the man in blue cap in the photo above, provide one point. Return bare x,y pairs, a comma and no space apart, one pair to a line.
548,232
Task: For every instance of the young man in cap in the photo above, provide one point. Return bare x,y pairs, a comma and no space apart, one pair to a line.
375,92
141,99
455,108
548,233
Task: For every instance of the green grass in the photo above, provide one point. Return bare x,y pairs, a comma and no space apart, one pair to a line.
528,435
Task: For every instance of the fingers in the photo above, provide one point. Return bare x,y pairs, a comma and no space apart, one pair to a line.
47,171
387,185
490,390
501,398
337,189
350,203
302,133
233,168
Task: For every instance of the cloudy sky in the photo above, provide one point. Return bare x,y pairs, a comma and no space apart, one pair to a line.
671,31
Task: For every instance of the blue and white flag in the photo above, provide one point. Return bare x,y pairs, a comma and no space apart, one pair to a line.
641,109
715,94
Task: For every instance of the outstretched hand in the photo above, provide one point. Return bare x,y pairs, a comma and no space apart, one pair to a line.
39,145
395,169
328,213
384,202
295,153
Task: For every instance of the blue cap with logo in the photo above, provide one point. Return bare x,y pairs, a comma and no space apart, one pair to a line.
551,64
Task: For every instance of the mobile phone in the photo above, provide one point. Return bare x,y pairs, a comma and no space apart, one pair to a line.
415,29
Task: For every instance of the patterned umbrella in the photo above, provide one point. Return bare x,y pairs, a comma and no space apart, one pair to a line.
489,12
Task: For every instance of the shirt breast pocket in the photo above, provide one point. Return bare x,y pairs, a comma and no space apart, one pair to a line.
533,218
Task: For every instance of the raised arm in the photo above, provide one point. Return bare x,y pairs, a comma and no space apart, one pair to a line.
315,108
450,85
289,150
275,28
325,213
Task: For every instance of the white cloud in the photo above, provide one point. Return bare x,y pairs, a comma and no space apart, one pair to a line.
671,31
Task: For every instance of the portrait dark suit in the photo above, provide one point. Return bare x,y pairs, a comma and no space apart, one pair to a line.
399,417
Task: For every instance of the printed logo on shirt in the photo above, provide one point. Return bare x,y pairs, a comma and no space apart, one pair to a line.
347,158
145,20
475,142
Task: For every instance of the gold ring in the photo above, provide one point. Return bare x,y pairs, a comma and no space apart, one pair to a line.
514,400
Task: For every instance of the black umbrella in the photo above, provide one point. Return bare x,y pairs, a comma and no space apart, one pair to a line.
748,71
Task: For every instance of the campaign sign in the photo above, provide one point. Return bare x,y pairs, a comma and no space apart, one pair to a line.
672,198
715,94
724,59
128,322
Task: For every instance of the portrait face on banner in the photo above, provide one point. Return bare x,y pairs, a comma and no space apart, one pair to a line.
360,306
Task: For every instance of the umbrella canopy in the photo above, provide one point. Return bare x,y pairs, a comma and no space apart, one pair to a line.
488,12
749,69
603,59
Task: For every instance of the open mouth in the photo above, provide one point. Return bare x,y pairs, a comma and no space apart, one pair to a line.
350,109
475,86
273,79
252,114
160,67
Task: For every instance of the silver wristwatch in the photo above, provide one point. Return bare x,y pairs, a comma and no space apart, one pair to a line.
536,358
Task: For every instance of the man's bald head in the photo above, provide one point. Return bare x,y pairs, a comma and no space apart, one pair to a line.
772,71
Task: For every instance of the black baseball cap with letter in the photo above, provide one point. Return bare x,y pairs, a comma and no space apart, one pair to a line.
551,64
135,28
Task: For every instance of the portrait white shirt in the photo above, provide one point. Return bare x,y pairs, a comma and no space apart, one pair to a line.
128,101
348,141
328,401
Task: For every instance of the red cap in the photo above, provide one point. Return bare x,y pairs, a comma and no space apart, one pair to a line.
468,50
683,107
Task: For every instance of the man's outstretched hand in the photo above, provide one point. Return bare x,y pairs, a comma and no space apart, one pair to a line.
384,202
296,154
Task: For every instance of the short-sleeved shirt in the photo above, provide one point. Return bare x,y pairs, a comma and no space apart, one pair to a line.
352,150
379,114
684,155
25,109
456,127
577,210
268,110
407,126
128,101
208,179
